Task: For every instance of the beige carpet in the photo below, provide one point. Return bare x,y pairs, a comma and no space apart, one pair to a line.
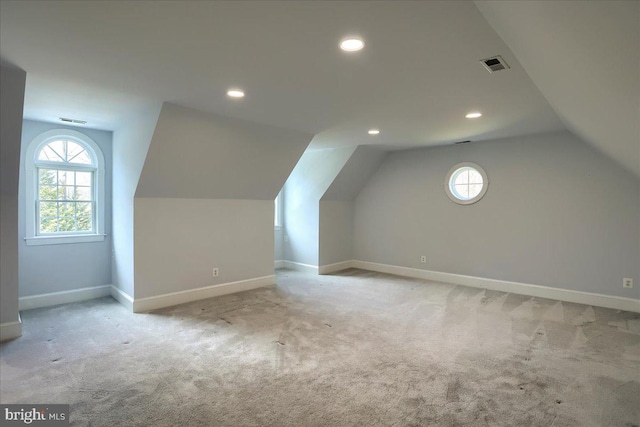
353,349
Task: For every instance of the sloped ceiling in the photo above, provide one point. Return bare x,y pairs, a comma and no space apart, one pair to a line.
584,56
314,174
197,155
417,77
355,173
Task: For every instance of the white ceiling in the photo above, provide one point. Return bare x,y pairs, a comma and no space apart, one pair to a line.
415,80
585,59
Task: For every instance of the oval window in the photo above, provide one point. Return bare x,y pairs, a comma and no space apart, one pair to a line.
466,183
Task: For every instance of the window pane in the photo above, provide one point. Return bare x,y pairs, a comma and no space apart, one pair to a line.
48,192
462,191
462,177
65,151
47,176
48,225
48,209
475,177
82,158
83,178
66,178
51,153
66,192
474,190
77,154
67,209
84,208
67,223
84,223
83,193
60,148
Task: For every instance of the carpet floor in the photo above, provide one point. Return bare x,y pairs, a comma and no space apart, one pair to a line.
352,349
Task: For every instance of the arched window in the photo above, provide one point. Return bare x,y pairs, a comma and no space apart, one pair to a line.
65,189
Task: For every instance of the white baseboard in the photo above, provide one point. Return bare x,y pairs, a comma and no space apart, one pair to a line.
64,297
122,297
11,330
599,300
279,263
299,266
332,268
141,305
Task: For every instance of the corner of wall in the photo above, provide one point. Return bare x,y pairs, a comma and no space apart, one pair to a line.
11,330
12,86
130,146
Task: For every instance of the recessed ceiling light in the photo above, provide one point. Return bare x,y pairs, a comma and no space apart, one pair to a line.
473,115
235,93
351,45
373,131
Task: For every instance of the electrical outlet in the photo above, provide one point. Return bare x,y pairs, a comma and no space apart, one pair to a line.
627,283
215,272
423,259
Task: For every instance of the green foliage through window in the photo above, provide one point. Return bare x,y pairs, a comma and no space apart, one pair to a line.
65,201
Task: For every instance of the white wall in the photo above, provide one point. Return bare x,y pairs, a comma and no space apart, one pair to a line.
12,81
309,180
56,268
205,199
557,213
130,146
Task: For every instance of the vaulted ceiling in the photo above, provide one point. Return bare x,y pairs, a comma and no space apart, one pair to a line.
585,59
415,80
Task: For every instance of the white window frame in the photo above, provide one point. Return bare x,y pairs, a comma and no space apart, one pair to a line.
448,183
278,211
31,190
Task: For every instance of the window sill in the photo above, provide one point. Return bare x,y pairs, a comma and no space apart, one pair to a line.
62,240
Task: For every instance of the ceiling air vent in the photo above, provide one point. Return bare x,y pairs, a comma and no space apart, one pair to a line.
80,122
495,63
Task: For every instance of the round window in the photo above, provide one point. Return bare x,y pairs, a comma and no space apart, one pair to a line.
466,183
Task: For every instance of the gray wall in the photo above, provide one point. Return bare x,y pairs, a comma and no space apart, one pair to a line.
336,231
309,180
337,205
179,241
205,200
12,82
55,268
557,213
278,244
130,146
